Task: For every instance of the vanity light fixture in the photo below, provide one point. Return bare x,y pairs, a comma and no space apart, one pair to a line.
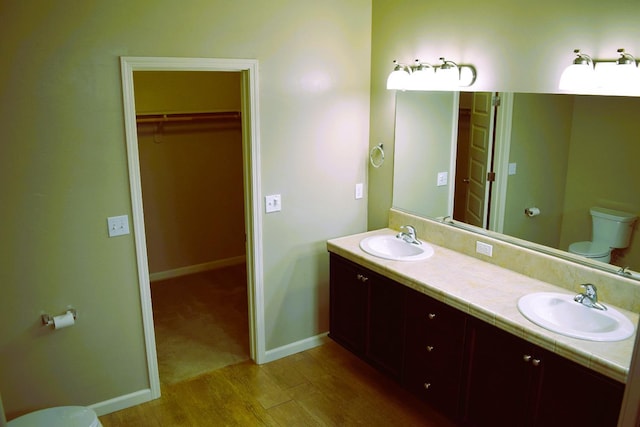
580,75
399,77
424,76
615,77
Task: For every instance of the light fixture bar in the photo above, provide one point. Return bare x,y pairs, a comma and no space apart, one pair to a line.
424,76
619,76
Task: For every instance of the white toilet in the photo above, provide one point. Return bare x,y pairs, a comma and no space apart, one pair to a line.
610,229
61,416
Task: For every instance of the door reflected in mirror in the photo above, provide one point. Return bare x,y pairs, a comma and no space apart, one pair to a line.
560,154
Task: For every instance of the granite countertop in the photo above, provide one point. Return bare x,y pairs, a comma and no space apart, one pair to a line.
490,293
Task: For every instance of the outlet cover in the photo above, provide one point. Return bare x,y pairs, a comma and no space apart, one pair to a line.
484,248
443,178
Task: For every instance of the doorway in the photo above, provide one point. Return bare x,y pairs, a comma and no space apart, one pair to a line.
190,151
250,162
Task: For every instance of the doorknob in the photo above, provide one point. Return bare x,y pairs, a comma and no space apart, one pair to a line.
466,180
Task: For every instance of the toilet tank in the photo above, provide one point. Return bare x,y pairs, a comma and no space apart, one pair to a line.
612,227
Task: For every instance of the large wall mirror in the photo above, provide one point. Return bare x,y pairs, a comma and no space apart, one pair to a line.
483,159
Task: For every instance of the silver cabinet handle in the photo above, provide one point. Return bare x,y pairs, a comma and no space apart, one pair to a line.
427,386
536,362
527,358
362,277
429,348
431,316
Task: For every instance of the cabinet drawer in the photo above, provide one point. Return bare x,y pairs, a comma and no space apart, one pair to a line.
434,351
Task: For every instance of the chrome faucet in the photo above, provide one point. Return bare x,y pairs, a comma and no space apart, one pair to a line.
409,235
590,297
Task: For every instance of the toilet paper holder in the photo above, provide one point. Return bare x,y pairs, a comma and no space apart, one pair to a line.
47,319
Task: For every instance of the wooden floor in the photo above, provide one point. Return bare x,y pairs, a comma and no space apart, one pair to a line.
324,386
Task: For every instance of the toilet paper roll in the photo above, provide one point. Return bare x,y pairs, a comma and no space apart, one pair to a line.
63,320
532,211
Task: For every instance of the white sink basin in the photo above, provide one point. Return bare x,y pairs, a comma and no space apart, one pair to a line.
561,314
390,247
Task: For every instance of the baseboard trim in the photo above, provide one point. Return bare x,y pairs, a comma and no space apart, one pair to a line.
122,402
197,268
295,347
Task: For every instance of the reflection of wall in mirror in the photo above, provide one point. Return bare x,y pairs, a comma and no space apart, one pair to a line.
603,168
424,137
540,134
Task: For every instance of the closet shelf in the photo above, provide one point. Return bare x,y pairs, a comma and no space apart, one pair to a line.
188,117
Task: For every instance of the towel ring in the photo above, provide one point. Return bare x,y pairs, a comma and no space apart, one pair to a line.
376,156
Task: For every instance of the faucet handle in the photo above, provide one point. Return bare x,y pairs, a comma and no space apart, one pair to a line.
591,291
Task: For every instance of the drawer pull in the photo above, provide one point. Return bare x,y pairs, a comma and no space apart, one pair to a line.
429,348
527,358
427,386
431,316
362,277
535,362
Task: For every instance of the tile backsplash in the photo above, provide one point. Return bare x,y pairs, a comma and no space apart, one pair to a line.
613,289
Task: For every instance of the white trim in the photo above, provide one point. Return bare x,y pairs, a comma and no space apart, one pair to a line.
501,162
454,152
122,402
251,166
296,347
197,268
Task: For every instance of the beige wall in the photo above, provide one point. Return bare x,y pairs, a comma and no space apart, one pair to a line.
191,172
63,166
515,46
603,169
540,139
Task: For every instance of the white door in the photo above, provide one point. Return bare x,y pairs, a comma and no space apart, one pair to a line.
480,149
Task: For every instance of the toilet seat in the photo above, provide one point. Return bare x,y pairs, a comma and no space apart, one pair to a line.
62,416
590,249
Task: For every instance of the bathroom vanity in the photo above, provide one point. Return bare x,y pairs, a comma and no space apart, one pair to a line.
448,329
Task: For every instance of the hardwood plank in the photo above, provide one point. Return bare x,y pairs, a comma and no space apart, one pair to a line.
324,386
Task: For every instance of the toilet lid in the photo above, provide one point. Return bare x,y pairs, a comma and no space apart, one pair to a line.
62,416
590,249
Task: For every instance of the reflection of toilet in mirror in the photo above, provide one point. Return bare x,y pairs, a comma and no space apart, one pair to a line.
610,229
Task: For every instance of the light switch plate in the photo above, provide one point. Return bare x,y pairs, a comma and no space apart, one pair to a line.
118,225
359,190
273,203
512,168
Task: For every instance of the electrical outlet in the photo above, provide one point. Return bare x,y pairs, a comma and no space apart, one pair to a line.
484,248
512,168
443,178
273,203
118,225
359,190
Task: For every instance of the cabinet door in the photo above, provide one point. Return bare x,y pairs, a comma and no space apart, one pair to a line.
498,380
573,395
385,328
348,305
434,349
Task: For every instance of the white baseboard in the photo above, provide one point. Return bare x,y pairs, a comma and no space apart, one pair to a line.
142,396
295,347
197,268
122,402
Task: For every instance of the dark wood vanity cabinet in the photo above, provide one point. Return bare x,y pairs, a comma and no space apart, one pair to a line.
511,382
366,314
469,370
434,348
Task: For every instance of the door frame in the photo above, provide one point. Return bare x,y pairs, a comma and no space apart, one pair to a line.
251,179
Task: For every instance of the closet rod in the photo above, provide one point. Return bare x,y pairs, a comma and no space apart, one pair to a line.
187,117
